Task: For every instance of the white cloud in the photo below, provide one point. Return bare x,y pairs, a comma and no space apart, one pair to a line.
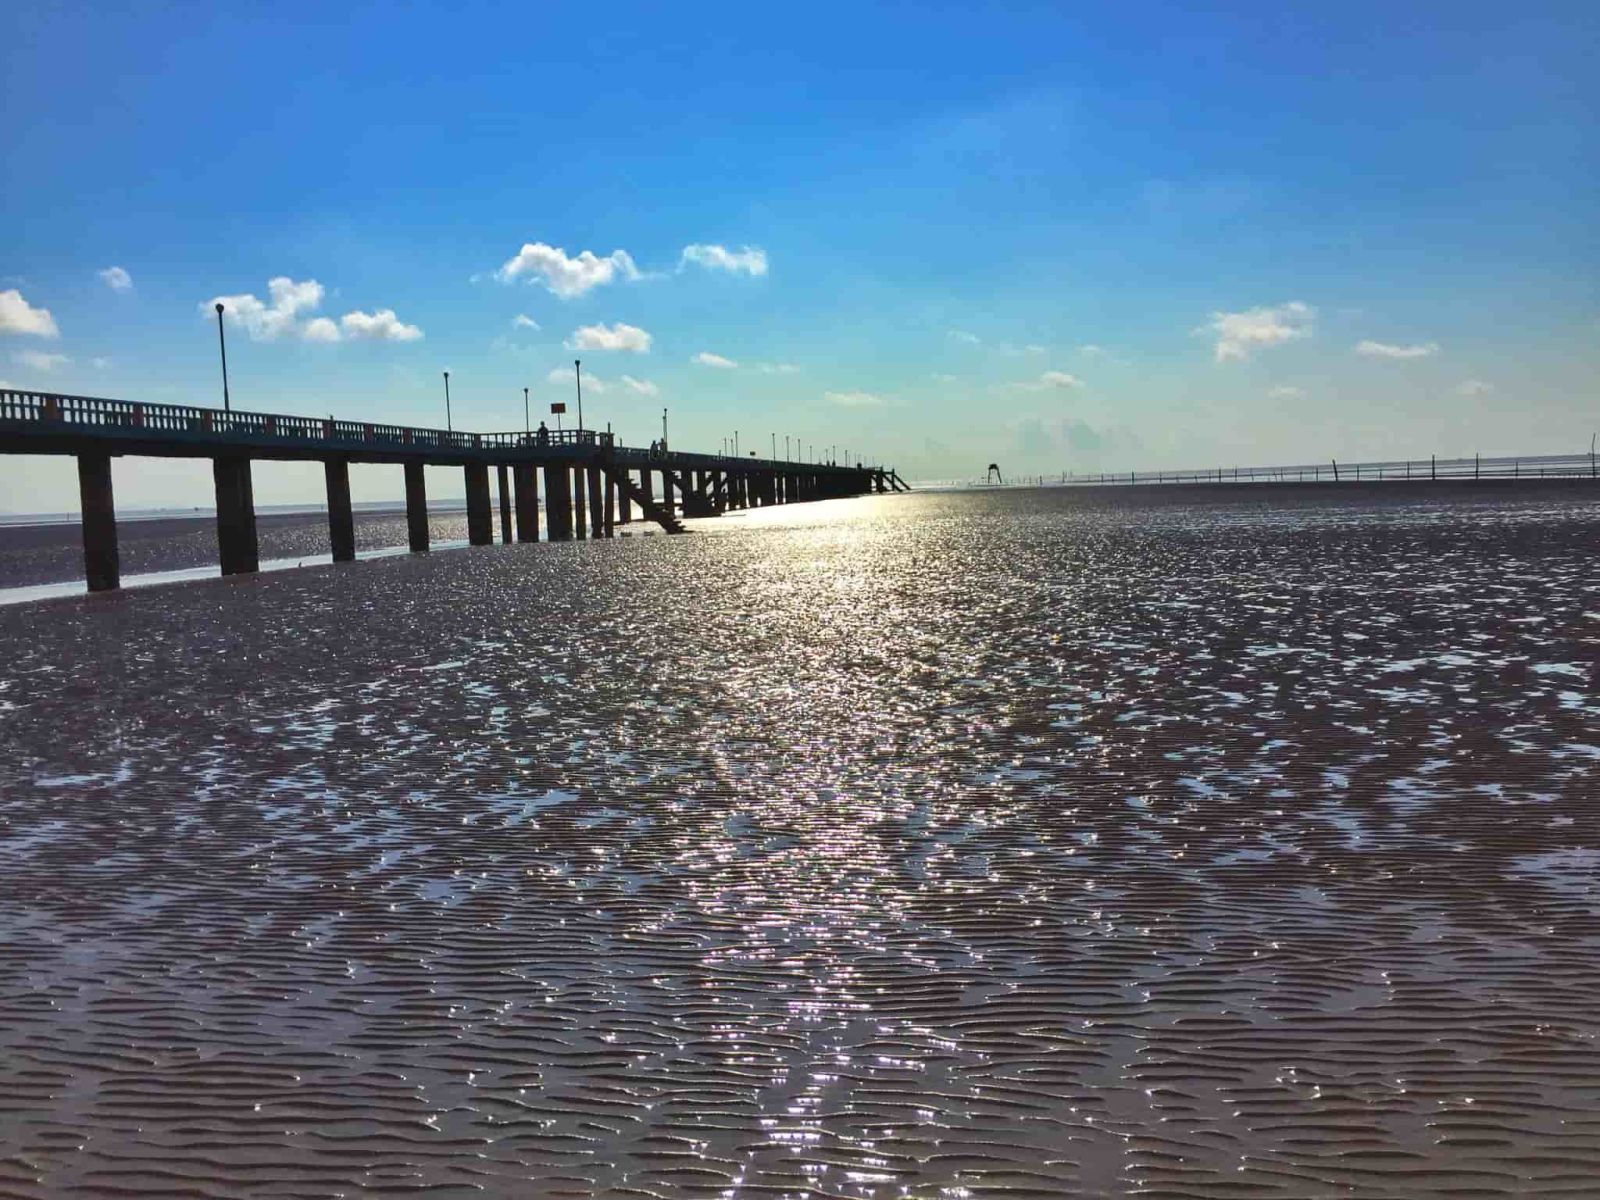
778,368
599,386
290,302
706,359
1371,349
523,321
1239,333
39,360
642,387
1286,392
116,279
853,399
567,277
562,375
941,377
615,337
1473,387
1058,379
18,316
100,363
380,326
961,335
320,329
747,260
1090,350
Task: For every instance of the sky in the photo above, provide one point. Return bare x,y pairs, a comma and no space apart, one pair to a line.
1056,237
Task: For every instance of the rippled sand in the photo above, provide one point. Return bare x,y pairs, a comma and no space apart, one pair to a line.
1028,844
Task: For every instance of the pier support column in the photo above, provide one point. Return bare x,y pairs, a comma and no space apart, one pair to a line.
480,513
557,503
341,521
416,508
527,502
580,519
100,566
505,503
667,499
644,484
597,503
611,506
236,516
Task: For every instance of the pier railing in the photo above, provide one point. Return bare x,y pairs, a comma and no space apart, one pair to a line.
1539,466
95,413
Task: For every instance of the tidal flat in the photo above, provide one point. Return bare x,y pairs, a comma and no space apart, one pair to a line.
1228,842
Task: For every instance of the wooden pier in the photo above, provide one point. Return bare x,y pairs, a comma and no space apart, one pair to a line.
591,484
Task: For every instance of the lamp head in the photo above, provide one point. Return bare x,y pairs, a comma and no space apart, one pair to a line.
219,308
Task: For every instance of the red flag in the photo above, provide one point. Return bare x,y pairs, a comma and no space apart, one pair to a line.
558,407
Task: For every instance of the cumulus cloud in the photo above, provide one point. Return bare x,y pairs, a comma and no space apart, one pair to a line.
18,316
39,360
706,359
1473,387
599,385
1286,392
100,363
564,276
613,337
116,279
777,368
1238,334
523,321
1059,379
1371,349
961,335
854,399
381,326
747,260
1090,350
286,313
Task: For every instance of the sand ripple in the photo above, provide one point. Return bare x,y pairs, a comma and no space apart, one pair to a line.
925,846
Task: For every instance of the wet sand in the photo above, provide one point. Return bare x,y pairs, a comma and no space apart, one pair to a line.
1017,843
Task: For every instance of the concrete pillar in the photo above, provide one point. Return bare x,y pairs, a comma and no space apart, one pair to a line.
504,473
341,521
557,503
236,516
100,566
480,512
597,504
580,519
527,478
611,506
416,508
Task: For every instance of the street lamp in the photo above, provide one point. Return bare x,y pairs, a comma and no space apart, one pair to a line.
577,371
447,426
222,341
663,430
527,421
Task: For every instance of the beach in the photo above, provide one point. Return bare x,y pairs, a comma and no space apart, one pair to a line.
1212,842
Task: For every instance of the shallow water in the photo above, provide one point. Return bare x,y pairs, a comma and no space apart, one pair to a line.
1024,844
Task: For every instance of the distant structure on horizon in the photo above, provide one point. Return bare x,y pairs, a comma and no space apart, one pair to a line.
993,474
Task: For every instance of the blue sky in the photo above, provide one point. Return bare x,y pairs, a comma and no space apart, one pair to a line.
1135,235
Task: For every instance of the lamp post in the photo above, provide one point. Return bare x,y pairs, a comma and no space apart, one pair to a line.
447,426
222,342
527,421
577,372
663,430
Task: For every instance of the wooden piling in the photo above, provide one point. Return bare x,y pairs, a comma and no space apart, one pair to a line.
557,503
504,480
341,520
527,485
480,511
101,568
236,516
416,508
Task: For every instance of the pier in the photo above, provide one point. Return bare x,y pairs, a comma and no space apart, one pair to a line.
590,483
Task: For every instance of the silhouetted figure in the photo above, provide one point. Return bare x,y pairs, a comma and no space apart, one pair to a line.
994,472
544,434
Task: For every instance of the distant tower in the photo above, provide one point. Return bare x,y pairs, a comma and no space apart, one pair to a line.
993,475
